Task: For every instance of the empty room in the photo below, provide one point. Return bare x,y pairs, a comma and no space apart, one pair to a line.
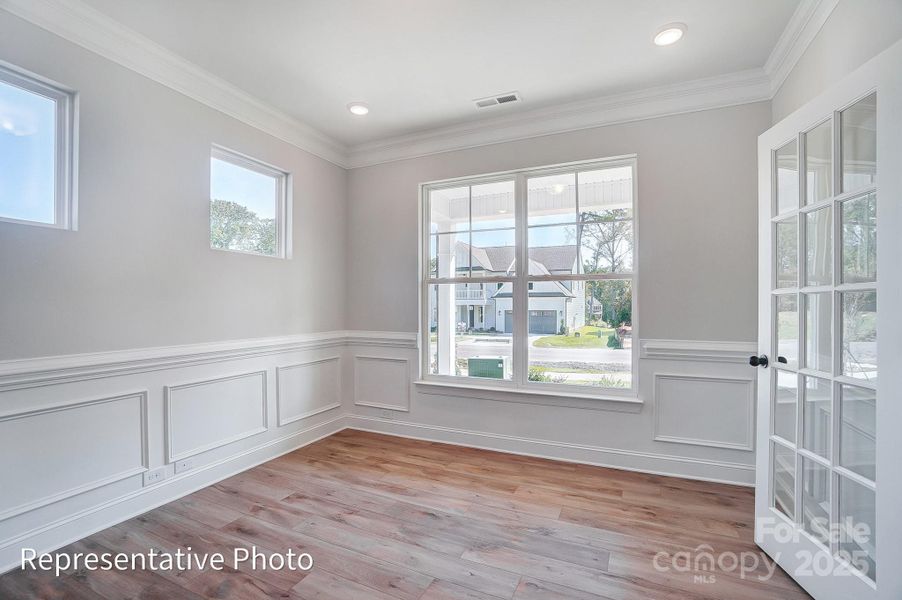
450,299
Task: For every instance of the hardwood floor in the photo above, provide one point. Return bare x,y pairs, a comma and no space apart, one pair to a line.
391,518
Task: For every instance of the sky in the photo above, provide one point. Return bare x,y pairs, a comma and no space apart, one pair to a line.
254,190
27,123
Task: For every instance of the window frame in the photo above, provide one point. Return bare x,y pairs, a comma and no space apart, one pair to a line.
65,152
284,202
520,281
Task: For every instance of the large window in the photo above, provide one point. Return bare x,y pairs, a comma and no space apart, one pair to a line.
249,205
529,278
37,151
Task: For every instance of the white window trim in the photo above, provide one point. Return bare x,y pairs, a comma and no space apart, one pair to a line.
65,202
283,204
520,384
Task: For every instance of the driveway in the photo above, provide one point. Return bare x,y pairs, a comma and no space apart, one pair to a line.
500,345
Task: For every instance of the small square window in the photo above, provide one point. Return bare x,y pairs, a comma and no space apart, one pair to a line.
249,205
37,151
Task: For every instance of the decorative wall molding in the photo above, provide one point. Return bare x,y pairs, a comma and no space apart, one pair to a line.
617,458
702,94
385,385
83,25
34,372
80,524
807,20
702,351
87,486
281,418
714,407
382,386
383,339
169,400
53,370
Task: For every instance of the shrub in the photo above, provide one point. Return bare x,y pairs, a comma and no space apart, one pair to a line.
540,375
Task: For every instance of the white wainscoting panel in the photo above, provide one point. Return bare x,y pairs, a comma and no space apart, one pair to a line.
307,388
382,382
76,447
80,429
705,411
204,415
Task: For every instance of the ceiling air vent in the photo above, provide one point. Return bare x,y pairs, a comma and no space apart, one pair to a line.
496,100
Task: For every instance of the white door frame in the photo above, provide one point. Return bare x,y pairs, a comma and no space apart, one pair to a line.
883,74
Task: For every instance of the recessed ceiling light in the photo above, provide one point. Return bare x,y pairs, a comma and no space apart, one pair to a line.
670,34
358,108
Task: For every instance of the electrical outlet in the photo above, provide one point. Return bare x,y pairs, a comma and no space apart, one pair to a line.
183,465
154,476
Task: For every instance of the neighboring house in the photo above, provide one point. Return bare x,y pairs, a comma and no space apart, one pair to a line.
552,304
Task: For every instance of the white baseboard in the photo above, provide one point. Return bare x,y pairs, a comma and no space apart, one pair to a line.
53,536
629,460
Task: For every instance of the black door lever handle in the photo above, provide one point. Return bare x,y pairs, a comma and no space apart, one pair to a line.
759,361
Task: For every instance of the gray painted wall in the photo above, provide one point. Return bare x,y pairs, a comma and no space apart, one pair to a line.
697,208
139,271
697,220
856,31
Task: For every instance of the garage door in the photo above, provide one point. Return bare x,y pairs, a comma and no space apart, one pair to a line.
543,321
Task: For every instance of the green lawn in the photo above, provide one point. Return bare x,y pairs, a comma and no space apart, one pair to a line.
588,338
556,369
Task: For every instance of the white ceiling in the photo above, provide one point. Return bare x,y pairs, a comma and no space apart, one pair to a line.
420,63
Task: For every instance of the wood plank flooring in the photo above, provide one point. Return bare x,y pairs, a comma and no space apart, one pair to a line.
391,518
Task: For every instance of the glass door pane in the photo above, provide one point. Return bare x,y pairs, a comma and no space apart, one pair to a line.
816,500
859,144
857,526
824,324
784,481
819,163
787,159
819,247
787,330
787,259
858,430
818,336
859,335
816,422
859,239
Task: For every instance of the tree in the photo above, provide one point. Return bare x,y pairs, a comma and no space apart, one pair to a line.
606,240
616,299
234,227
605,244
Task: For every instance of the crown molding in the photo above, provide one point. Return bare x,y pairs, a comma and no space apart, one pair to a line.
805,23
701,94
81,24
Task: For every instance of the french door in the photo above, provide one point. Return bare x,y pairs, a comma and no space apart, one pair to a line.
829,460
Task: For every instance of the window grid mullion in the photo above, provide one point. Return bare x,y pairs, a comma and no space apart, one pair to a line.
520,300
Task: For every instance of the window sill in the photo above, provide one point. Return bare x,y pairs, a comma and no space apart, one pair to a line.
627,404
